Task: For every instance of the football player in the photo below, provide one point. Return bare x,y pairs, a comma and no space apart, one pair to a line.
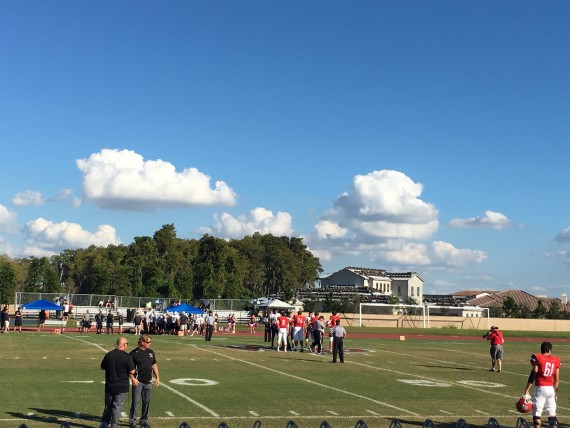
545,375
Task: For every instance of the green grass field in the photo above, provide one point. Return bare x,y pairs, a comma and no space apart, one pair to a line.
47,379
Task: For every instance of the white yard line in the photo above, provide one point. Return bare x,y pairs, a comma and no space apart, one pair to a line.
164,385
206,409
312,382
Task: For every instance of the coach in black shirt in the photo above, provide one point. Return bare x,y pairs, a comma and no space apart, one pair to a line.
145,363
119,367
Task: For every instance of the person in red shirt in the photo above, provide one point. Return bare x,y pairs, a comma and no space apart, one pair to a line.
545,375
283,325
332,324
299,325
496,338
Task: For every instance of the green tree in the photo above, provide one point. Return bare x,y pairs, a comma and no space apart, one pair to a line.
7,281
209,272
252,254
510,308
310,303
412,311
554,312
540,310
330,304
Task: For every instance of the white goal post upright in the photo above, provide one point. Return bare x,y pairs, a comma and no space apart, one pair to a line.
396,306
466,308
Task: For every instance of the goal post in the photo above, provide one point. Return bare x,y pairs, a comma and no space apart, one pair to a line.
425,311
472,309
394,307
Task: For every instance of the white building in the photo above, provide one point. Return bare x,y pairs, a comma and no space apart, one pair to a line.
403,285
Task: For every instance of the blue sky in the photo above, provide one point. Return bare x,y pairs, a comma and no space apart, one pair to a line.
412,135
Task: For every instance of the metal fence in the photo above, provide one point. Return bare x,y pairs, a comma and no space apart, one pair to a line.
131,301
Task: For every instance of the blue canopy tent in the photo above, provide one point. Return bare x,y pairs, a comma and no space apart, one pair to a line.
185,307
38,305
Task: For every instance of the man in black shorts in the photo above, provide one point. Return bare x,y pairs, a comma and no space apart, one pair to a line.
145,363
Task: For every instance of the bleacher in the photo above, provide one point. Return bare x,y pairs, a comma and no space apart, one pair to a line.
442,300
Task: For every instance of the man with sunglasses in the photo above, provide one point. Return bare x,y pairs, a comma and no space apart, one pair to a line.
119,368
145,363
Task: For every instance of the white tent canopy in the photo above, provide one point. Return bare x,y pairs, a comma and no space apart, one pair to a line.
278,304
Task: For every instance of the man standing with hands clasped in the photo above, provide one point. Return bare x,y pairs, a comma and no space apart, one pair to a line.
338,335
119,368
145,363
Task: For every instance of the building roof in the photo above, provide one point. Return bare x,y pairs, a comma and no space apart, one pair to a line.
370,272
522,298
468,293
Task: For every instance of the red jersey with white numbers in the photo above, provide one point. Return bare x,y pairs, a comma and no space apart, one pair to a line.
547,366
298,321
283,321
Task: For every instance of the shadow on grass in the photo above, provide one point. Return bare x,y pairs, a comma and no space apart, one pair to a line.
406,423
56,417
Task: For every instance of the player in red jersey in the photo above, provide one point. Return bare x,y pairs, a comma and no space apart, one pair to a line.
331,323
299,325
283,325
545,375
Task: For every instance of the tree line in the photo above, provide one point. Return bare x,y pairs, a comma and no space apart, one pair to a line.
164,265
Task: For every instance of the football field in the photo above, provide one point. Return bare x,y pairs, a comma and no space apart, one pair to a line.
237,379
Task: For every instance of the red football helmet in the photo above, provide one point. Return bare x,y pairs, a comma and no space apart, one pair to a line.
524,404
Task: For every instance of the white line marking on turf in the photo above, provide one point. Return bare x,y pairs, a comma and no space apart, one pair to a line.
77,381
294,413
206,409
164,385
332,413
334,388
373,413
443,411
169,414
480,411
428,378
252,413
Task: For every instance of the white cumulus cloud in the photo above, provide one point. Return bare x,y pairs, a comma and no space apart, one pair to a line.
559,256
122,179
329,229
436,253
257,220
29,197
8,219
490,219
8,248
46,237
384,204
445,254
564,236
383,219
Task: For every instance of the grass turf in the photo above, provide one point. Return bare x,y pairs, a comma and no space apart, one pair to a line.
49,378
